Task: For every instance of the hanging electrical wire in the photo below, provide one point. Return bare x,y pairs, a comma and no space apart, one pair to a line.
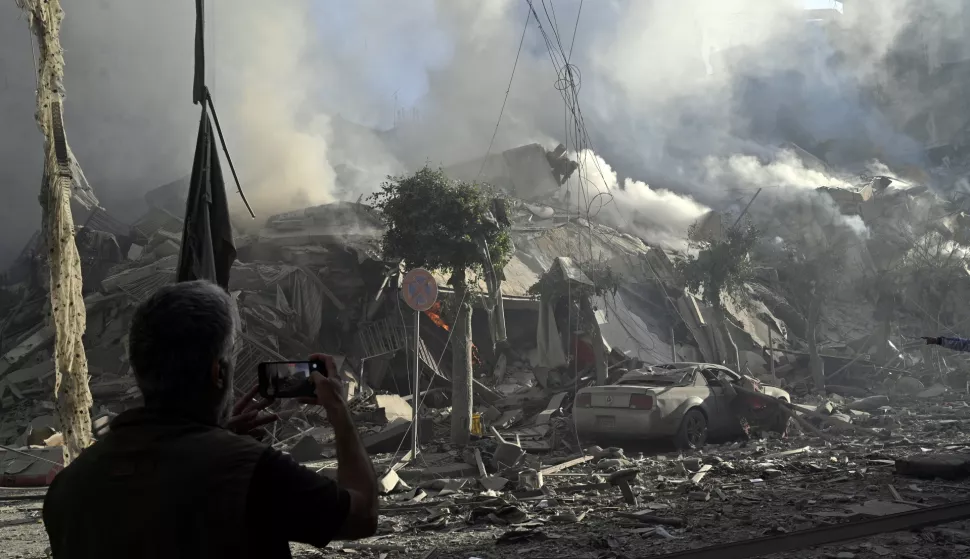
506,99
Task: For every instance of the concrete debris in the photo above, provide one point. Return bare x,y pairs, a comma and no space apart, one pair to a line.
780,456
871,403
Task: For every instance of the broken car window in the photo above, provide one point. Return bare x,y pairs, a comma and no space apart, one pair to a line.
661,378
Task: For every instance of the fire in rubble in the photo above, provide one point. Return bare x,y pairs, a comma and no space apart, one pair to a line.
434,313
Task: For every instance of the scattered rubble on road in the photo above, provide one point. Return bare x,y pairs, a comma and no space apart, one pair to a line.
885,436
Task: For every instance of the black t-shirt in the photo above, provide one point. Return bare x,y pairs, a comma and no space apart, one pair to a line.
290,503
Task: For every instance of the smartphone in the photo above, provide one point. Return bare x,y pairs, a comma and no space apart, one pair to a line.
288,379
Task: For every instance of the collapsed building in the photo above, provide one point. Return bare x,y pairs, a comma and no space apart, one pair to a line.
314,280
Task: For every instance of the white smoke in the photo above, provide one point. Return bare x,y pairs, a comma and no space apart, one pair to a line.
786,171
676,95
658,216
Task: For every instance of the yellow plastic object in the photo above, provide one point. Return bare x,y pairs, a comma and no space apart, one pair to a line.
477,428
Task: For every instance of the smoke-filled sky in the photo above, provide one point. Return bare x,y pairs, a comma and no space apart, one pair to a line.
690,97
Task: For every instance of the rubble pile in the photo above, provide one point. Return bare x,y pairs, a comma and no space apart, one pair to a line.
875,440
528,485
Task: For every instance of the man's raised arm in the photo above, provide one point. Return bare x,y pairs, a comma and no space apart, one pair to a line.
355,472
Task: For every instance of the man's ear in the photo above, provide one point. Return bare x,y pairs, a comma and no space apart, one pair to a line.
218,374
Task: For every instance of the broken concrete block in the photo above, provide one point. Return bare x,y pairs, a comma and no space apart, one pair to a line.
530,480
825,408
842,417
493,483
389,482
933,392
452,486
951,467
909,386
507,455
871,403
394,406
389,439
600,453
553,407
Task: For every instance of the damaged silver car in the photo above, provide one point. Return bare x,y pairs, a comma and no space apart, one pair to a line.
685,402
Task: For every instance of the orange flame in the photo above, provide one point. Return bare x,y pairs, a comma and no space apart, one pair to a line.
436,318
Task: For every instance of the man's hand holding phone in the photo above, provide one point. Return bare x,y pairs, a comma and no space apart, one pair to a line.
329,390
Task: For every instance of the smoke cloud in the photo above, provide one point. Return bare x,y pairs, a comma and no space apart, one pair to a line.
658,216
684,103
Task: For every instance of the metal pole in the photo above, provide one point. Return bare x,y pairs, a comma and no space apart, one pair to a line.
745,210
415,402
673,346
771,353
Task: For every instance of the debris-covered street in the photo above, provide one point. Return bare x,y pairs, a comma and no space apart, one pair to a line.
765,352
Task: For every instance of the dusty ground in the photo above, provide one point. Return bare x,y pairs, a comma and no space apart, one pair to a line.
758,488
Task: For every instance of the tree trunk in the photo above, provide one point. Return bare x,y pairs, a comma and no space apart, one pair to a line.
461,370
814,360
501,333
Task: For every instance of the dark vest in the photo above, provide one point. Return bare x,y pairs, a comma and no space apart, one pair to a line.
155,486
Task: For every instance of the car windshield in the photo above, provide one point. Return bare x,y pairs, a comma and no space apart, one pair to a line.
657,378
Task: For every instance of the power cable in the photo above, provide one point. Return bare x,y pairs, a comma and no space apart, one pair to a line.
575,28
506,99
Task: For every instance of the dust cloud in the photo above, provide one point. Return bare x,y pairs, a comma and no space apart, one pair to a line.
685,103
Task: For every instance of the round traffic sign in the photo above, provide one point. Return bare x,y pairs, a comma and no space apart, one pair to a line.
420,289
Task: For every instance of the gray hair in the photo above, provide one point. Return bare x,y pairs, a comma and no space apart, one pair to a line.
175,337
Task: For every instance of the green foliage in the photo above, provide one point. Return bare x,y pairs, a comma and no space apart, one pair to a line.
436,223
721,266
552,284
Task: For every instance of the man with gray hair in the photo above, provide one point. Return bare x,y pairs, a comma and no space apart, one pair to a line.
179,477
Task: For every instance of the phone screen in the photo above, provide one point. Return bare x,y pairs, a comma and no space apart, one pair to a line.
286,379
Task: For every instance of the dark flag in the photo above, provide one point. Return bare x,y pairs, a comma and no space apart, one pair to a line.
207,251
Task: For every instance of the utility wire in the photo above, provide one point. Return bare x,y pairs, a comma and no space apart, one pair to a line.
504,101
575,28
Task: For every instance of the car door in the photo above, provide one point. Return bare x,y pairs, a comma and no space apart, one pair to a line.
715,402
730,421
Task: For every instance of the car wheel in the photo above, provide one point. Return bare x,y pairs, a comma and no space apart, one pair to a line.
693,430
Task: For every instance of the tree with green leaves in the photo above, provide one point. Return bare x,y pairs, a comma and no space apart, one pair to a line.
720,268
439,224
